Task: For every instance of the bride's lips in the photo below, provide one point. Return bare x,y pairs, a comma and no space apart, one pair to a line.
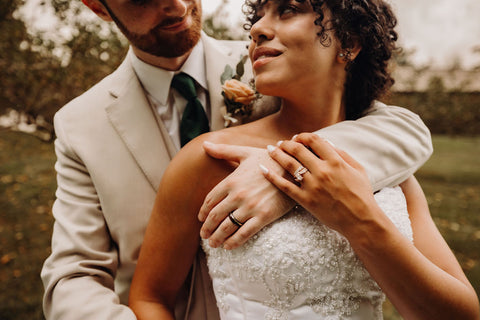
263,55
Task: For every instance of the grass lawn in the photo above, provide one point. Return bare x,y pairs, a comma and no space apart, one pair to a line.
451,181
27,186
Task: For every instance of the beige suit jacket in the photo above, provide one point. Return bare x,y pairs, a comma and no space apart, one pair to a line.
111,153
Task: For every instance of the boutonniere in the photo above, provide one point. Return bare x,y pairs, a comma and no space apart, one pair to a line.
239,97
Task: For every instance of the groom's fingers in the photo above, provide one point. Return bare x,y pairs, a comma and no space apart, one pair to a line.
233,236
227,228
213,198
227,152
232,153
246,192
215,215
245,232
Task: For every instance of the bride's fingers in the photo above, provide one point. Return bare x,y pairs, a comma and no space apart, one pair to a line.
323,148
286,186
350,160
301,154
327,151
286,159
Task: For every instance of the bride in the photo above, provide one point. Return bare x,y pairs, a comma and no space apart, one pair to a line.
342,248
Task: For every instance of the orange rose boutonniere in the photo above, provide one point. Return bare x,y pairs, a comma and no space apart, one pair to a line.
239,97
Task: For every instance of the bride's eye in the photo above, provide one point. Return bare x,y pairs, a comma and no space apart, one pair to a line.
288,9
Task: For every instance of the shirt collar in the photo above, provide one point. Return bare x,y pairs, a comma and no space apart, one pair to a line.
156,81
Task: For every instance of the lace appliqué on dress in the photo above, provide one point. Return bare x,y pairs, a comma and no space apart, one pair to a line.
297,262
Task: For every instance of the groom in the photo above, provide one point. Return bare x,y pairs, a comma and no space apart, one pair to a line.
115,141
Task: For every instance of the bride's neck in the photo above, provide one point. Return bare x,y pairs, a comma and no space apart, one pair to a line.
309,116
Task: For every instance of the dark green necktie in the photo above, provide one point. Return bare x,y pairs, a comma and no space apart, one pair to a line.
194,120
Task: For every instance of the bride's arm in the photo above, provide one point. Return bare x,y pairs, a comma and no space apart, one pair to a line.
172,236
422,279
431,283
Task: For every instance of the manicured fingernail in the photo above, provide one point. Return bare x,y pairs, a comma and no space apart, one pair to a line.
271,148
279,143
207,143
295,137
263,168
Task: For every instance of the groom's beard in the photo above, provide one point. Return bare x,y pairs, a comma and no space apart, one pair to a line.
162,44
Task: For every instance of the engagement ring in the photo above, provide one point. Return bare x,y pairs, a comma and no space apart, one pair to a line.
298,175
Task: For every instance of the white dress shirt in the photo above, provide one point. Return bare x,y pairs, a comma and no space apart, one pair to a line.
169,103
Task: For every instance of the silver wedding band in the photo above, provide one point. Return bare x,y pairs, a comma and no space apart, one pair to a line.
298,174
234,220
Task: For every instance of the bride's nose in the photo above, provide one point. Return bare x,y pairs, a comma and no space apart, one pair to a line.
262,30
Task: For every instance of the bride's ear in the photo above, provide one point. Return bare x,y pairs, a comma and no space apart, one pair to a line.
348,54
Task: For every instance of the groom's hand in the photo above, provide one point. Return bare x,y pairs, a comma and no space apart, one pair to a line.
252,200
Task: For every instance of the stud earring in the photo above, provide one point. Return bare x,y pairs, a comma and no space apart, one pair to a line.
346,56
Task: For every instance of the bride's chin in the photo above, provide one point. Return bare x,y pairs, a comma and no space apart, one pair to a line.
267,88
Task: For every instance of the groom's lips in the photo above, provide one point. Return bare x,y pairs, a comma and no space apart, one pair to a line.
178,26
263,55
178,23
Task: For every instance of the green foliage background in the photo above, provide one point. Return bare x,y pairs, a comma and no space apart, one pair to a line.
38,76
444,112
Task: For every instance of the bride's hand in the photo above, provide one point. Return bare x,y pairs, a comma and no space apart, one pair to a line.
335,189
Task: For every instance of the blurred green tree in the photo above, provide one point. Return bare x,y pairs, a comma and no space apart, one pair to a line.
17,61
39,75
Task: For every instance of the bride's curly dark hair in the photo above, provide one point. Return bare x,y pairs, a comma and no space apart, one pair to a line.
368,23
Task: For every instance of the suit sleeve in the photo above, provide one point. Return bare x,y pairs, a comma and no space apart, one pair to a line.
79,274
390,142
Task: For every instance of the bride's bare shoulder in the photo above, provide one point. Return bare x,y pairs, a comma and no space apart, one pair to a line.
194,163
240,135
253,134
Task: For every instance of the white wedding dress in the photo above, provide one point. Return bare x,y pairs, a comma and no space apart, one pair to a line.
297,268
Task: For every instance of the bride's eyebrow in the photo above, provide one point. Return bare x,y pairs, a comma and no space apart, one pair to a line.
279,3
287,2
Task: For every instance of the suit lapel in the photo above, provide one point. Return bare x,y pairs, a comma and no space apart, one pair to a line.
136,123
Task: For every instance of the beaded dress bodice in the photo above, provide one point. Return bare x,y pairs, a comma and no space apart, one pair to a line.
297,268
